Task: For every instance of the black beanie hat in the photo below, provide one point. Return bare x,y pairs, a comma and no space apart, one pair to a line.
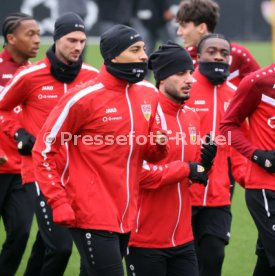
116,40
168,60
68,23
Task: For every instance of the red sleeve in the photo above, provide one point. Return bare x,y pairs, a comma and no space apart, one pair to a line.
13,94
156,176
244,102
46,154
243,60
239,166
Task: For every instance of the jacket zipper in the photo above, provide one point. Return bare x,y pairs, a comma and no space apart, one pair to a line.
179,185
129,158
164,127
67,149
213,135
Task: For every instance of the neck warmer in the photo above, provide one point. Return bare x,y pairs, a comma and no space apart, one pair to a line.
61,71
131,72
215,72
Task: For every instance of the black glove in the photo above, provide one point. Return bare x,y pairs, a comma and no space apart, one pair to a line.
265,159
25,141
198,173
208,152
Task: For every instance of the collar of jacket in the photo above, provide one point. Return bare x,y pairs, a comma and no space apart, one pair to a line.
168,106
192,50
6,56
111,82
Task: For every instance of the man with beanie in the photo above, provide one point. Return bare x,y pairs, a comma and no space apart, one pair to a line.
37,88
162,243
210,96
111,122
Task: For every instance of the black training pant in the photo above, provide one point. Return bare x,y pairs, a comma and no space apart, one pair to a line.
17,214
57,241
175,261
211,228
101,252
261,205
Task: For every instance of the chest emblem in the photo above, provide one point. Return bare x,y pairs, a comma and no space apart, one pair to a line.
271,122
146,110
192,134
225,106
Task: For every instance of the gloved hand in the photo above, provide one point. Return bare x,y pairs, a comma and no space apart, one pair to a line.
198,173
25,141
64,214
265,159
208,152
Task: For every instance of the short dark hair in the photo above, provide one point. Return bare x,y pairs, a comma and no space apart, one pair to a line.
206,37
12,22
199,11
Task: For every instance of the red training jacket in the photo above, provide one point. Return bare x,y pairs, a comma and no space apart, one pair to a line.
210,102
37,91
164,216
8,146
106,125
255,99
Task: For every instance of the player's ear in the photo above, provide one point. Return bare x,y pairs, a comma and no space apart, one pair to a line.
11,39
203,29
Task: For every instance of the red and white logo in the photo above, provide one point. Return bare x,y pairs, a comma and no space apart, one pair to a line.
271,122
146,110
192,133
226,104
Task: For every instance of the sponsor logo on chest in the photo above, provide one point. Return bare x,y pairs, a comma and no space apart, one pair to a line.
111,117
199,102
44,96
47,88
7,76
111,110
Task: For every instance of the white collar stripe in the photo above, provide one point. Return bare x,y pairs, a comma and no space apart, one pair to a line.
233,75
21,74
268,99
162,118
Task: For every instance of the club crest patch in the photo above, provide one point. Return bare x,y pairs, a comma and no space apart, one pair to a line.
226,104
146,110
192,133
271,122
